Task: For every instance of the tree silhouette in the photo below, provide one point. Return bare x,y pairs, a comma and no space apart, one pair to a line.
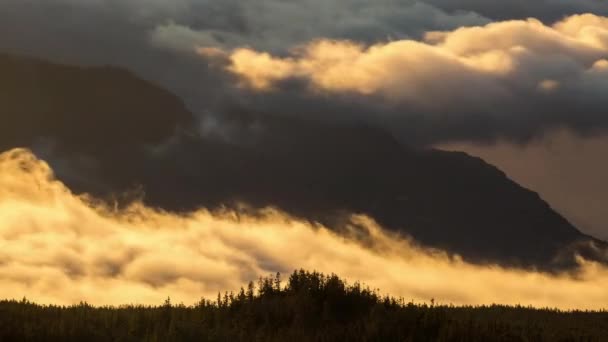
310,307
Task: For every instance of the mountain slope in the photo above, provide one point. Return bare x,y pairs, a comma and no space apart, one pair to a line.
106,131
93,108
446,200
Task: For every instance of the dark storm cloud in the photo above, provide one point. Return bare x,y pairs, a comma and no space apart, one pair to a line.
157,40
276,25
547,10
109,31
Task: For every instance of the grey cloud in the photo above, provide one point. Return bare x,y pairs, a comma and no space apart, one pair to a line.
547,10
510,80
277,25
129,33
157,40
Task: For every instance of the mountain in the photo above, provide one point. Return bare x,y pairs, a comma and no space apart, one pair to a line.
82,106
316,171
105,131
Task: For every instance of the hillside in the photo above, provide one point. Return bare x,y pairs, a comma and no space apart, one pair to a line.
105,132
92,108
321,172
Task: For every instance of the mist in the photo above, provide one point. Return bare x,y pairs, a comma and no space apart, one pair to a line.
60,248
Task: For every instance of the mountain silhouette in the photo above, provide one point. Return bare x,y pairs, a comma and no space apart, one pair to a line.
107,132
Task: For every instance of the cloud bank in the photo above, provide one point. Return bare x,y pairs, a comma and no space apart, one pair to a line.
432,71
547,10
511,79
59,248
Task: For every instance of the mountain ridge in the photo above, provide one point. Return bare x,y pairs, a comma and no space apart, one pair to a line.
314,170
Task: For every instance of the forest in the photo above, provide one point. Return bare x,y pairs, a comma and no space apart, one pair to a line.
309,306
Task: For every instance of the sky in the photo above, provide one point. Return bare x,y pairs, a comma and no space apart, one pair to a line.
521,84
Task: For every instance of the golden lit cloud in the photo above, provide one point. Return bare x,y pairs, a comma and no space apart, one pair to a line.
587,28
548,85
600,65
59,248
444,69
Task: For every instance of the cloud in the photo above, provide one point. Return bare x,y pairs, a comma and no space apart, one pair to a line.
274,25
510,79
158,40
132,137
59,248
181,24
547,10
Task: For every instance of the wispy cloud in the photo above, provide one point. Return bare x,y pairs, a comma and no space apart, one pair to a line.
60,248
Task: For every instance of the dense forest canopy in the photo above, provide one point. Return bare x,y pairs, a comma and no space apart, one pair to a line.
310,306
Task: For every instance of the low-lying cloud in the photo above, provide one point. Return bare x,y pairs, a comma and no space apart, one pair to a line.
429,71
60,248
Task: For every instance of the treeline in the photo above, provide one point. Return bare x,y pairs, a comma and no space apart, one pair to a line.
309,307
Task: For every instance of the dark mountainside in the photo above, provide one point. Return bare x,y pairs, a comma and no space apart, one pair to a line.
124,133
310,307
87,109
